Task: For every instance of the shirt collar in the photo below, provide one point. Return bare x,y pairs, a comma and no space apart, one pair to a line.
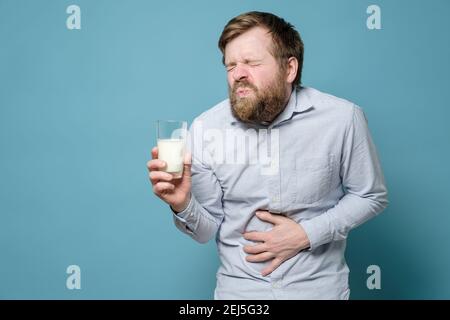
298,102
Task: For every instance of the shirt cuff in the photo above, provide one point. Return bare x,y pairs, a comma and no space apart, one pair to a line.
183,216
318,231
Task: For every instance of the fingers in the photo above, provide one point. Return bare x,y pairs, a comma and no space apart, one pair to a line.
157,176
258,248
161,188
256,236
156,165
155,153
275,263
269,217
260,257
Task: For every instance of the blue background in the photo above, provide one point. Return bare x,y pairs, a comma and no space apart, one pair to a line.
77,122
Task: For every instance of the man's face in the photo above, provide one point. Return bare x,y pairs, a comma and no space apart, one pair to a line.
257,85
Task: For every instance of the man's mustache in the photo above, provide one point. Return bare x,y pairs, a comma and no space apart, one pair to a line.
246,85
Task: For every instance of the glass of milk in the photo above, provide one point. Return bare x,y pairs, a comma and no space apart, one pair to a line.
171,145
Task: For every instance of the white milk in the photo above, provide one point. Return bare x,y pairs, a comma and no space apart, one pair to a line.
172,152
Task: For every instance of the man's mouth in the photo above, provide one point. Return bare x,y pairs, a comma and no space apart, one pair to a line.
243,91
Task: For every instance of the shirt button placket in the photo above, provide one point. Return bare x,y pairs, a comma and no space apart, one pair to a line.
275,196
277,286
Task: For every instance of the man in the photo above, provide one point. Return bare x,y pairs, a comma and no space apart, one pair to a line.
282,220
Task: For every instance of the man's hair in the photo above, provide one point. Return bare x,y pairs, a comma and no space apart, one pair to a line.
286,40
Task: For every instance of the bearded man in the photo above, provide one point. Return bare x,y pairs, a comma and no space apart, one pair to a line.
281,218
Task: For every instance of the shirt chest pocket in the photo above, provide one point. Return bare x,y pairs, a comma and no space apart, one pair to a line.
312,178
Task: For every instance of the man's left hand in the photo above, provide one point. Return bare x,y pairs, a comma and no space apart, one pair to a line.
284,241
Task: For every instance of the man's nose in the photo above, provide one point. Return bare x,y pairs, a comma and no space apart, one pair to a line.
240,73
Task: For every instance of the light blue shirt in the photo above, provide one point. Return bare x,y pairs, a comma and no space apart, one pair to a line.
315,163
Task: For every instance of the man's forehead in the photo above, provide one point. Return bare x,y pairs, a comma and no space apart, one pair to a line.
253,44
255,36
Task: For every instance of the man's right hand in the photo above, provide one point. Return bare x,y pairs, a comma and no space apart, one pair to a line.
175,192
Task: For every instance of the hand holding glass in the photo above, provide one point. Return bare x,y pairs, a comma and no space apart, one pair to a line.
171,145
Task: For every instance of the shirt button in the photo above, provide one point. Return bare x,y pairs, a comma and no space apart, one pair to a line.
275,199
276,284
273,163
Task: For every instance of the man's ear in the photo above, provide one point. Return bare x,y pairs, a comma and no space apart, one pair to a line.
292,69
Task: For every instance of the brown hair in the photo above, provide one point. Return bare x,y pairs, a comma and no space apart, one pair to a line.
286,40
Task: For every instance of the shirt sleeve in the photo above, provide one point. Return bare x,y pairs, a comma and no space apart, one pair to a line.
364,186
204,213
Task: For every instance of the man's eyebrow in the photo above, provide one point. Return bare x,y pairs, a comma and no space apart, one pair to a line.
253,60
231,63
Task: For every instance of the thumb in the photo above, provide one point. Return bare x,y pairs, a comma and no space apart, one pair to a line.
187,165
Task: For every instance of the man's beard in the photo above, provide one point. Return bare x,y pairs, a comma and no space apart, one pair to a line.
263,106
